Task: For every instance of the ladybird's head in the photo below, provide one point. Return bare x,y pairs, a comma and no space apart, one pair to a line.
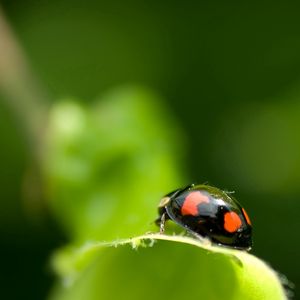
162,204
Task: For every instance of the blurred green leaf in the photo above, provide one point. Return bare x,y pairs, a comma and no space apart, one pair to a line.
175,267
262,153
107,165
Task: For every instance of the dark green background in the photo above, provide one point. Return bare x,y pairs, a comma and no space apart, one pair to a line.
230,73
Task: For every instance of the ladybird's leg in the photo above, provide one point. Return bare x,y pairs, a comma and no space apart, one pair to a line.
161,220
161,212
162,223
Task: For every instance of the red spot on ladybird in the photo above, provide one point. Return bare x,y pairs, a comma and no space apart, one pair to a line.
246,217
191,202
232,221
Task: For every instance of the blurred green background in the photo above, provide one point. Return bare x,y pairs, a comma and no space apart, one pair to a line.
229,74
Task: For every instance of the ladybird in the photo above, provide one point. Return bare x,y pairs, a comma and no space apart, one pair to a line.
207,212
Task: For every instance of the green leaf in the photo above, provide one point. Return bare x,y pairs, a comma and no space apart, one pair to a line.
107,165
158,266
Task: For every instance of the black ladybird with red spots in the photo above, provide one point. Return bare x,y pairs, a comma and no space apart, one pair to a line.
206,211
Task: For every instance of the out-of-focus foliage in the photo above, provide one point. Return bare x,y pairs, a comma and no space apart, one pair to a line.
107,164
267,139
160,267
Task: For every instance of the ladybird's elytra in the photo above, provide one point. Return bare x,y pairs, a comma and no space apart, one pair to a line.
209,212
